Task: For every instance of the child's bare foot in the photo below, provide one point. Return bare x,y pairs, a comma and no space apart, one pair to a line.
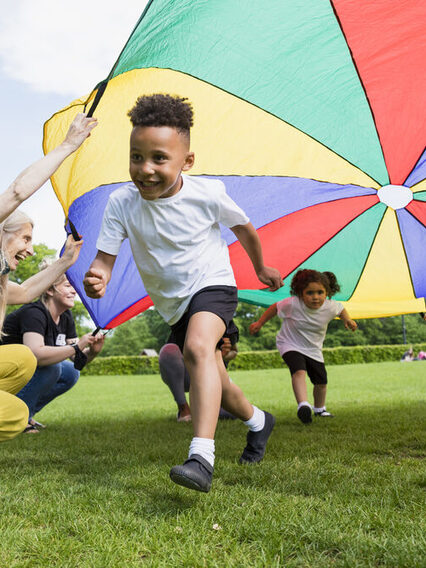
184,413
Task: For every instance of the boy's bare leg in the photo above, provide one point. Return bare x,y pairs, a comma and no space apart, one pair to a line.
204,331
233,399
298,381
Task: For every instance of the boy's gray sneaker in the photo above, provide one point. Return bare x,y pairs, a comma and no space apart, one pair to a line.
196,473
304,414
256,442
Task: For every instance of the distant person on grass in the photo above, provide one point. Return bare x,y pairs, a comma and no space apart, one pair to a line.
17,363
305,317
172,222
176,376
408,355
47,328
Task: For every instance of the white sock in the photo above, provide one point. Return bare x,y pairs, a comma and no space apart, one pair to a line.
303,403
204,447
257,421
321,409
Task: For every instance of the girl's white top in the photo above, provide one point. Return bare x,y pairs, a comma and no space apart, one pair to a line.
303,329
176,241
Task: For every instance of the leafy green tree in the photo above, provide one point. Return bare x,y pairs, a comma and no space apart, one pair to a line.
81,319
246,314
146,331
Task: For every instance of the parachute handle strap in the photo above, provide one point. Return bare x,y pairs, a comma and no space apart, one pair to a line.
101,89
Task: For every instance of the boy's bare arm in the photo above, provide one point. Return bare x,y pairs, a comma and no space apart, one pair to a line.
346,319
99,274
268,314
250,241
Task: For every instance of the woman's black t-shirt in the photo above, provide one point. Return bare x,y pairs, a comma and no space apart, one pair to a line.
36,318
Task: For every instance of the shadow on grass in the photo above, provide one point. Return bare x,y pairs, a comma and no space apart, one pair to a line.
134,455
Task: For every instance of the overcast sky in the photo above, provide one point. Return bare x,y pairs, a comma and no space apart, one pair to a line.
51,52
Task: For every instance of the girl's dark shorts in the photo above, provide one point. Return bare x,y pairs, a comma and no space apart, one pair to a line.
219,300
298,362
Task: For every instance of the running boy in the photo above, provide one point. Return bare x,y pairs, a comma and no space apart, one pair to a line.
172,222
305,317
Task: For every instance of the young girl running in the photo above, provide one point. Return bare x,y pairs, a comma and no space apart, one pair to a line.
306,316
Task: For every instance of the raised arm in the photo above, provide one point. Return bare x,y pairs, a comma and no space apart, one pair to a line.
99,274
348,322
250,241
34,286
267,315
33,177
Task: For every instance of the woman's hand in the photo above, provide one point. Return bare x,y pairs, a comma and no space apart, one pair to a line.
95,346
72,250
79,130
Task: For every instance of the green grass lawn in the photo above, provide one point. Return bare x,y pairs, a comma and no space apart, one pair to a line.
92,490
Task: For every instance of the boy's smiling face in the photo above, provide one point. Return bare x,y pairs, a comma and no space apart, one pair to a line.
158,155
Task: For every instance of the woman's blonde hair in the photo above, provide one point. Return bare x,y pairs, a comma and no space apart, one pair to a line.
9,226
42,266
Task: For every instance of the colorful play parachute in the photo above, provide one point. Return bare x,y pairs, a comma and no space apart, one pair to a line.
312,113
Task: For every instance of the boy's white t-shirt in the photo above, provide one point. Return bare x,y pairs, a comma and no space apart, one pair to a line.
303,329
175,241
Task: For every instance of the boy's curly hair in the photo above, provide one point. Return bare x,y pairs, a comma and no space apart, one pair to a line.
163,110
304,277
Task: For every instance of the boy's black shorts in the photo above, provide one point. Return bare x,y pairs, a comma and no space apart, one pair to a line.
298,362
220,300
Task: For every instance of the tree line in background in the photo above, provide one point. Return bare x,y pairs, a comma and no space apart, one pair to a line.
149,331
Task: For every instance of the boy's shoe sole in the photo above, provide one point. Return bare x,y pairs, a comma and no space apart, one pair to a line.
196,473
304,414
256,442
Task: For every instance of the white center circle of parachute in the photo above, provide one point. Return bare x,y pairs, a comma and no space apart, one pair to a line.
395,196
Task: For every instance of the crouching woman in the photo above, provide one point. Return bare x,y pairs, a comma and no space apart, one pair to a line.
48,329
